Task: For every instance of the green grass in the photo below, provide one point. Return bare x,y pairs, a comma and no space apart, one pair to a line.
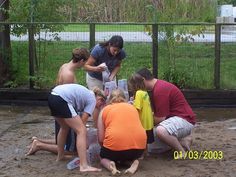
194,63
102,28
128,27
228,71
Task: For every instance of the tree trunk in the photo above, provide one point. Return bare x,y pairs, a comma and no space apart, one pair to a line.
5,44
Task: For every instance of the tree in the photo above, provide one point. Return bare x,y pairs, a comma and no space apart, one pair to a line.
5,45
25,11
36,11
180,11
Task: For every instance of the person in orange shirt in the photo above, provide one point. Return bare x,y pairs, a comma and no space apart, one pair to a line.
120,134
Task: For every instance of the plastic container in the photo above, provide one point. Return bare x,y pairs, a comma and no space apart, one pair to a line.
105,73
122,84
93,153
108,87
92,136
73,164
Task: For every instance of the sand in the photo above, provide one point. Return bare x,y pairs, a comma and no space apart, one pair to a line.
19,124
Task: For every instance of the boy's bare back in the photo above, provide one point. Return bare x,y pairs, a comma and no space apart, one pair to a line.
65,75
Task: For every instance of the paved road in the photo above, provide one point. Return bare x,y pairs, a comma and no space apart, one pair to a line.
128,36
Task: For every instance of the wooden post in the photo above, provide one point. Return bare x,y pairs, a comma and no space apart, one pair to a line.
217,56
91,35
5,43
155,50
31,55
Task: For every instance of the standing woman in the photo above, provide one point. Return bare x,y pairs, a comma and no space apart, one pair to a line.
65,101
111,53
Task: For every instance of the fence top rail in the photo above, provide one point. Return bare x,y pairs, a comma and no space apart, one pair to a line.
114,23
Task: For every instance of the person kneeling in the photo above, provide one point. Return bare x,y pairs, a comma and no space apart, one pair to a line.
120,133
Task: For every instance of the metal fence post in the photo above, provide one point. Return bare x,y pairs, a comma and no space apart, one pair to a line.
91,35
155,50
31,55
217,56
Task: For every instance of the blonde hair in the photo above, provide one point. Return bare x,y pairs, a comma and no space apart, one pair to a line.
98,92
117,96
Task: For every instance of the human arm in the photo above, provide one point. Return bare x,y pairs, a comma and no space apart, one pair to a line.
101,130
89,65
120,58
115,71
95,116
158,120
89,107
84,118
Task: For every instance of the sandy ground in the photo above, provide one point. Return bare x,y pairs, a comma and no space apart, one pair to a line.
215,131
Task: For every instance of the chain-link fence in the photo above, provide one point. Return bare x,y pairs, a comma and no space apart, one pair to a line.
189,55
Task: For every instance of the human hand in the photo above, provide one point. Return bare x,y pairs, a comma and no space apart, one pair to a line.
111,78
101,67
158,120
131,100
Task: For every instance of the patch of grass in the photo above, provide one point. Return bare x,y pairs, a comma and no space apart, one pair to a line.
194,62
20,63
102,28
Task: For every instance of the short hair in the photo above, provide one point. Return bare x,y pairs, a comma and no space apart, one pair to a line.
145,73
79,54
98,92
136,83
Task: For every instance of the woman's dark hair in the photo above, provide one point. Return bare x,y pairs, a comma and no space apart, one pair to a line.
145,73
115,41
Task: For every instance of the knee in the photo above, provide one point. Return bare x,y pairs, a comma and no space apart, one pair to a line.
64,128
81,130
161,132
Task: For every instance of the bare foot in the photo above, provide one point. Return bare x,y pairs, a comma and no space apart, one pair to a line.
133,168
68,156
34,138
89,169
60,158
144,155
64,157
33,148
113,169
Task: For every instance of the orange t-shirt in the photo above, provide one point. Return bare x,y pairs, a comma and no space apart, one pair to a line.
123,129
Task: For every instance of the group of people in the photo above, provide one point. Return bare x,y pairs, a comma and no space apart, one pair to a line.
124,129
